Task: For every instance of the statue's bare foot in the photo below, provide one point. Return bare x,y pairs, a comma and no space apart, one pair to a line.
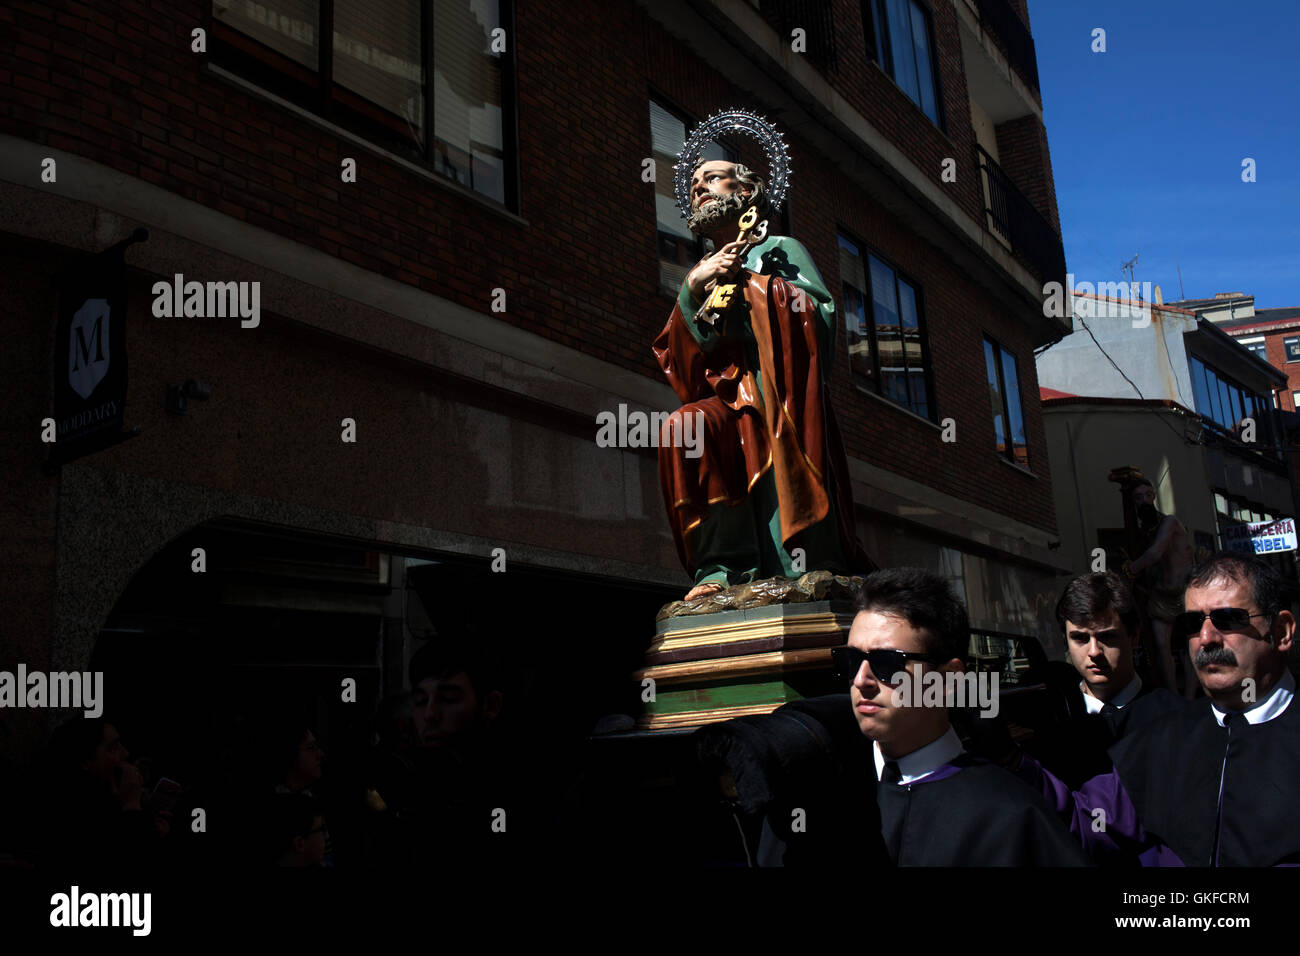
702,590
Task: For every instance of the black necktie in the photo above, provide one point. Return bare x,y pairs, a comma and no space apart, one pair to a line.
890,774
1223,777
1110,715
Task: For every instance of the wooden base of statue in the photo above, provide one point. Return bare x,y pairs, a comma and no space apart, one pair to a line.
745,650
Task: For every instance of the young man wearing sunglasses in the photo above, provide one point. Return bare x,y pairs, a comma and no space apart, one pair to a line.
1216,783
939,806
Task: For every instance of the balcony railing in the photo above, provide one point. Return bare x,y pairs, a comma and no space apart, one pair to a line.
998,17
1014,218
814,17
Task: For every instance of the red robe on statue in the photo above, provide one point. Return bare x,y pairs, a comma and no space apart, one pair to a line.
780,421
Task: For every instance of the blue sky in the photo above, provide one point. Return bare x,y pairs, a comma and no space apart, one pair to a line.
1148,138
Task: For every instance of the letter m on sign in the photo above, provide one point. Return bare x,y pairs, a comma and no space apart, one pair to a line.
88,346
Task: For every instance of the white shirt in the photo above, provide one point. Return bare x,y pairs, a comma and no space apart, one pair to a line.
1269,707
1124,697
923,762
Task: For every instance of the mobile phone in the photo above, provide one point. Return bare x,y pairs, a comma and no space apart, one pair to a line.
165,794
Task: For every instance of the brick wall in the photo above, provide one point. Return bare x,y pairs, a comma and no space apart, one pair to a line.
873,93
117,82
957,313
1275,351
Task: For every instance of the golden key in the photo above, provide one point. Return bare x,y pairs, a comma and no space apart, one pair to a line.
722,296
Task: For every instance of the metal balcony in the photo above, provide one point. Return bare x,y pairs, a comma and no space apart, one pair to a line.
998,18
1011,216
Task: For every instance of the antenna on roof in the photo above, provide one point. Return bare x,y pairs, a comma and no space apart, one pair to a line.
1128,269
1181,293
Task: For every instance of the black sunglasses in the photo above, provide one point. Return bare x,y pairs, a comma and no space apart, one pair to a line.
884,663
1223,619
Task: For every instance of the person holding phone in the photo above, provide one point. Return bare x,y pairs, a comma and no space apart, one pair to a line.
95,812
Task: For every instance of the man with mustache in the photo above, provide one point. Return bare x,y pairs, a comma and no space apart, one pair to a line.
770,477
1164,564
1216,783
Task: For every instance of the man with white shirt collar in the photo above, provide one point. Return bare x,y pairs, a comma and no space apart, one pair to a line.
1217,783
1099,619
1101,627
1241,663
938,805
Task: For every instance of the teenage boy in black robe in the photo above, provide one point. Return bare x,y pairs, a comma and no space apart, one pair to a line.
939,806
1100,622
1216,784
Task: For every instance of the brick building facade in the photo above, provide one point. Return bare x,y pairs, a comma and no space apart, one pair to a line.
1271,334
486,286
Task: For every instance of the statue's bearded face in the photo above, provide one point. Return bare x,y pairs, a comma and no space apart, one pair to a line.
718,197
1144,501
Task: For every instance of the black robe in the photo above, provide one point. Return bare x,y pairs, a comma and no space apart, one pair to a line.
1076,749
1172,771
972,813
805,782
809,771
